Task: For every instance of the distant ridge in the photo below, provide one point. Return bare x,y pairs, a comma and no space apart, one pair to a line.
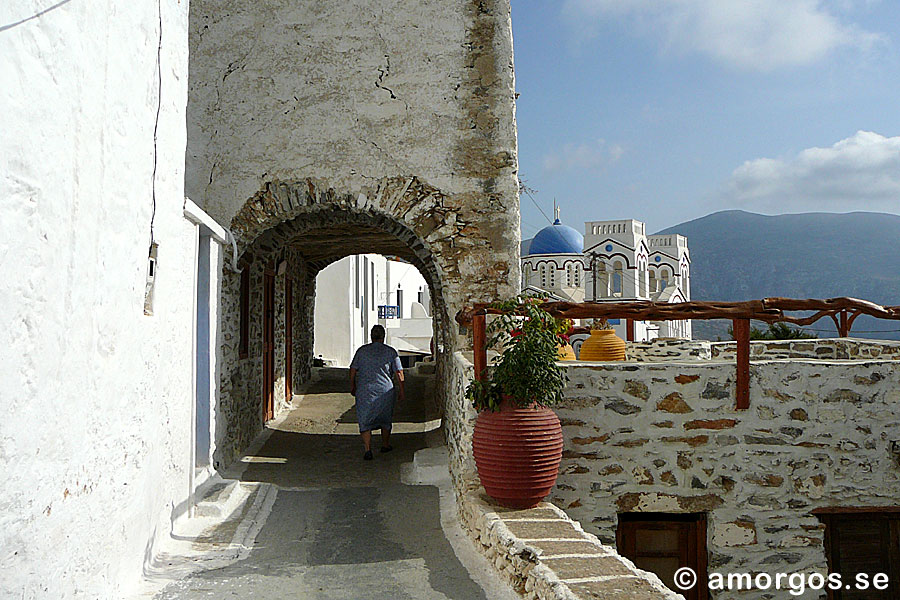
738,255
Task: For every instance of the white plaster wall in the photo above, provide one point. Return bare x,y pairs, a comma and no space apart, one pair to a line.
95,396
348,94
407,278
338,329
336,314
343,91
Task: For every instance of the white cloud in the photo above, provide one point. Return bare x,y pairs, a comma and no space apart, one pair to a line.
591,157
760,35
861,172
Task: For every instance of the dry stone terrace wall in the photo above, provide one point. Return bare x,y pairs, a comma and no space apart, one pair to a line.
458,431
667,349
541,552
665,437
837,348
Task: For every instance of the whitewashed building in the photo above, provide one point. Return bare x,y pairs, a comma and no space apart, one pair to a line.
356,292
613,261
168,173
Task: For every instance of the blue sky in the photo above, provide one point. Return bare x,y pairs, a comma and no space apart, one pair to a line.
668,110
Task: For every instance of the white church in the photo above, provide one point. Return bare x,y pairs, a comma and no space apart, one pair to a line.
613,261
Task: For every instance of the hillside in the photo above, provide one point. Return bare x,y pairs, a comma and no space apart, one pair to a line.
738,255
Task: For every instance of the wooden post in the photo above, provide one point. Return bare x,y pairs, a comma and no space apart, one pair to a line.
850,319
478,339
843,328
741,328
629,330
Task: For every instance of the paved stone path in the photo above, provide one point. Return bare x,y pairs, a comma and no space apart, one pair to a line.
340,527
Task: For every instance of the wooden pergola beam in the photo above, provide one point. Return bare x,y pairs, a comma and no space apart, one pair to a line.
843,311
770,310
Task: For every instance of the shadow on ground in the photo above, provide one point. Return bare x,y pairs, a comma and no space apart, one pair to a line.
340,527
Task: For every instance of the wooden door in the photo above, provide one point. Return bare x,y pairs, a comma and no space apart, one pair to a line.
268,345
864,542
288,338
663,543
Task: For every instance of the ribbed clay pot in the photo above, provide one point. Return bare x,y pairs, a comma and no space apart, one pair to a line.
603,346
566,352
517,453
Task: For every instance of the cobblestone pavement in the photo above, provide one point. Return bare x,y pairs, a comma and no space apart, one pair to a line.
340,527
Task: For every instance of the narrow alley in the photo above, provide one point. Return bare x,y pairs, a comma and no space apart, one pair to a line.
330,525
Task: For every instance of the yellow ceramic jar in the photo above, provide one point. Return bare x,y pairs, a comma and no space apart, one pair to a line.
603,346
566,352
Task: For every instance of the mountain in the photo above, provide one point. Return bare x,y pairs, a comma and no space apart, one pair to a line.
737,255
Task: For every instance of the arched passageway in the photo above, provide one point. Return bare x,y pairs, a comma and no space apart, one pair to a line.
334,521
268,317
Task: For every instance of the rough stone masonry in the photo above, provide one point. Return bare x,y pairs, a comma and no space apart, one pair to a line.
665,437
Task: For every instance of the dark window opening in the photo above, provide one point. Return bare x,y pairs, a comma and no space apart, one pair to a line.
663,543
244,341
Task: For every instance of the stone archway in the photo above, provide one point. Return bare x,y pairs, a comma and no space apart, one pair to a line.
291,231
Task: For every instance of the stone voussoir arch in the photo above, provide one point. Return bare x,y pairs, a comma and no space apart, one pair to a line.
416,213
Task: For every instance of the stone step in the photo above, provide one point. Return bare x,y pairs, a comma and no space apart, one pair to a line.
431,465
219,499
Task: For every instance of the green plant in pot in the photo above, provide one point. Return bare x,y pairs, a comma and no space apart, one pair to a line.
518,439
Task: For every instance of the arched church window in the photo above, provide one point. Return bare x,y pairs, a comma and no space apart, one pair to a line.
618,279
642,280
664,276
602,277
653,282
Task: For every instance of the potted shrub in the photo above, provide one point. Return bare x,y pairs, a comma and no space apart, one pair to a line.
603,345
518,439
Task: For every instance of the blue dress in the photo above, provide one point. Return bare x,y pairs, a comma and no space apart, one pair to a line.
375,366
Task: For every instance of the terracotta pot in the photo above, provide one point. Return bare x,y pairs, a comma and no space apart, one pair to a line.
517,453
603,346
566,352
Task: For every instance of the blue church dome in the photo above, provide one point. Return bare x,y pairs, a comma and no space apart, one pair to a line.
557,239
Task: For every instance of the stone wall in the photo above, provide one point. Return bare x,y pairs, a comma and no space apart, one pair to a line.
455,376
826,348
832,348
666,437
666,350
544,555
526,546
240,416
95,439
